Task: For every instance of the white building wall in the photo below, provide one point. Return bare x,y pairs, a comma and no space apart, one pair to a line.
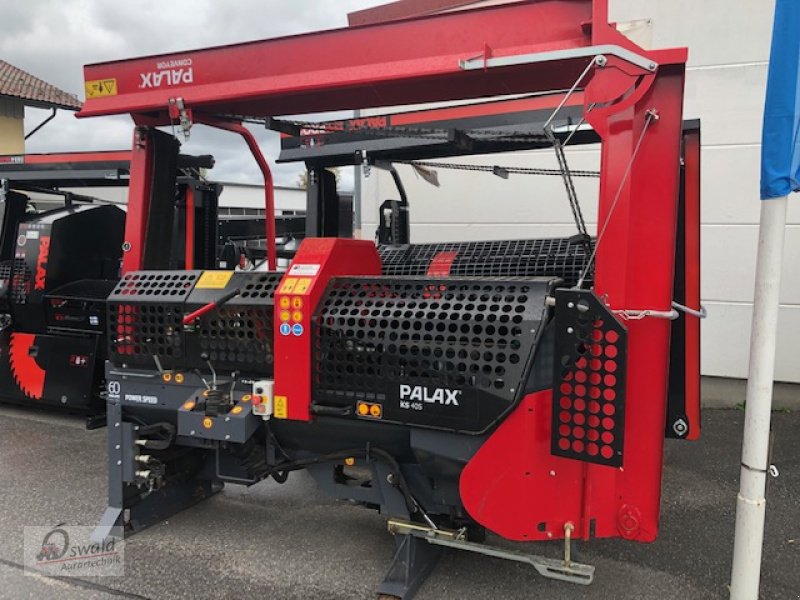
728,44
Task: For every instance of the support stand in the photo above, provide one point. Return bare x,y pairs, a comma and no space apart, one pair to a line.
412,563
131,507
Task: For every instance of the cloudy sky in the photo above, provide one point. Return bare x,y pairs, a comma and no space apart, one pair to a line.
53,39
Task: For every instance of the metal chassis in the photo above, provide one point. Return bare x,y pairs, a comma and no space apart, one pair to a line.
633,100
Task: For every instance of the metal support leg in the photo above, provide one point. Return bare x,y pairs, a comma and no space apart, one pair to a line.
112,517
413,562
130,506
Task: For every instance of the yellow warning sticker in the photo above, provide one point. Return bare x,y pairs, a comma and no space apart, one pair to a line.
281,407
302,285
214,280
288,286
99,88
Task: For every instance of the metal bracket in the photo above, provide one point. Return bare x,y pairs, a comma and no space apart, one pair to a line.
700,314
638,315
177,109
551,568
596,52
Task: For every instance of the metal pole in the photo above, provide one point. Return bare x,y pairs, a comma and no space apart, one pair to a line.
751,503
357,191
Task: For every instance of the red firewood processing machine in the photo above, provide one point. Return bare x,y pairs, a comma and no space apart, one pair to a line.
519,387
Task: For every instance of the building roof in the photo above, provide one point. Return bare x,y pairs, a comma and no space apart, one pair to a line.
16,83
404,9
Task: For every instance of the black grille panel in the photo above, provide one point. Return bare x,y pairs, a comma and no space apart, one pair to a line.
145,314
21,281
239,335
6,268
560,257
6,272
147,308
158,285
372,337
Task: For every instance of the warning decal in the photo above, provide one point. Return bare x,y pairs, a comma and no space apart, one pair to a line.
281,407
101,87
214,280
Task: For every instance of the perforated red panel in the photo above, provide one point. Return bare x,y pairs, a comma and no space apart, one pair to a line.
589,394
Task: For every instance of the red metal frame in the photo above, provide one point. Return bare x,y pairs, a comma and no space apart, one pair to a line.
417,61
139,190
189,234
266,172
407,62
122,156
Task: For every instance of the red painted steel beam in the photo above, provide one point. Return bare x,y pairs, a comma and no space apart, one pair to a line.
269,186
189,229
402,62
139,192
122,156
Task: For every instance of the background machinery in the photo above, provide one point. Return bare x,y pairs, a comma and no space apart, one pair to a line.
60,257
517,387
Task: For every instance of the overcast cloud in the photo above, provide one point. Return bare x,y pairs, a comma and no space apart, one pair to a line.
53,39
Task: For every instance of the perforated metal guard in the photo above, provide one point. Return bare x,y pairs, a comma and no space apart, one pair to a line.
145,313
239,335
589,380
21,281
6,271
372,336
557,257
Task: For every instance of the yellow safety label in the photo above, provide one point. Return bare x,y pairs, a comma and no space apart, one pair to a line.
101,87
285,302
302,285
288,286
281,410
214,280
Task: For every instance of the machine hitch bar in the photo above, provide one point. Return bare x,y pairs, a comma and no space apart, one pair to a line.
552,568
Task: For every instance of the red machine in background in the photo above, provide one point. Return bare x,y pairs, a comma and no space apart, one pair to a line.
519,387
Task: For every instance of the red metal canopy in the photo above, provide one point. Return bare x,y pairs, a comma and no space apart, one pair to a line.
402,62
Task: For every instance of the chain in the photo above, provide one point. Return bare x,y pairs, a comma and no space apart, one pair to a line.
572,195
493,169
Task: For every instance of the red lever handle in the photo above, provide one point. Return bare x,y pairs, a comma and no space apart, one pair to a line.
193,316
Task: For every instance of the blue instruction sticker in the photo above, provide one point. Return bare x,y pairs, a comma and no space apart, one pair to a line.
297,329
286,329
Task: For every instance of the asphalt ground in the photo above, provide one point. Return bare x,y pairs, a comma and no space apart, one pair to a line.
292,542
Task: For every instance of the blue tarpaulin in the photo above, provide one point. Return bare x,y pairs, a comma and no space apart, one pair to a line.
780,150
